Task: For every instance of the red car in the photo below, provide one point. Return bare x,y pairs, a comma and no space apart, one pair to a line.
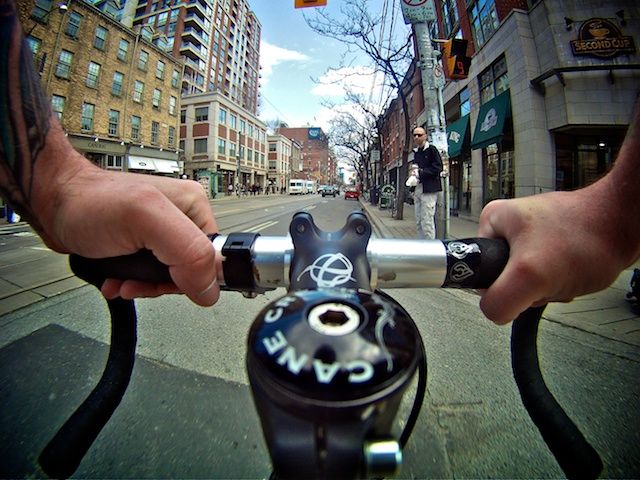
351,192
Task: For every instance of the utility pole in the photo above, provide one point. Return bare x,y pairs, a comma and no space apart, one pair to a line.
421,13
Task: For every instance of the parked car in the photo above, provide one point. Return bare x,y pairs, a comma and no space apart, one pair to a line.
329,190
351,192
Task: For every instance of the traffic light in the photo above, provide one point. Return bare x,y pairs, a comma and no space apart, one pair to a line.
310,3
454,57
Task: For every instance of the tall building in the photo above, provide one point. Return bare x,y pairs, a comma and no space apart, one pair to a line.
219,41
548,96
117,96
317,163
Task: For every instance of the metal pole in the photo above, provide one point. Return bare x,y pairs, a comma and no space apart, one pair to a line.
436,124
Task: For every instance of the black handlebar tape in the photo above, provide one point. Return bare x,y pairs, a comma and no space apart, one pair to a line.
475,262
142,265
65,451
577,458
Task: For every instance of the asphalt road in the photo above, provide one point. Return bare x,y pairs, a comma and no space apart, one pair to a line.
188,410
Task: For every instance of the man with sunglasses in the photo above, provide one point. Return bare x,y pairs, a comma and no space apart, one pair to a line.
426,169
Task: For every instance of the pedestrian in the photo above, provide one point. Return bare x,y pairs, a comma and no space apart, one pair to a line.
230,188
425,176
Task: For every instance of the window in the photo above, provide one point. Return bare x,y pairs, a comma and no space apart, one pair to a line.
243,126
183,116
143,60
494,80
35,45
232,149
157,98
172,136
272,147
465,102
41,10
57,105
135,127
88,111
138,91
116,86
200,145
100,40
222,116
484,20
202,114
222,146
175,78
233,121
63,69
172,105
73,25
160,70
114,122
155,128
114,161
123,50
93,73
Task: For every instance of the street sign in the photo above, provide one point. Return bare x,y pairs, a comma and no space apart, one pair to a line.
418,11
310,3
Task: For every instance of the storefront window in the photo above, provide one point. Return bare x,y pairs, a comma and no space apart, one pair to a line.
580,163
498,173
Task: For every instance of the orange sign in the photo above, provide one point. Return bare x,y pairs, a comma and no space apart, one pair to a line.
310,3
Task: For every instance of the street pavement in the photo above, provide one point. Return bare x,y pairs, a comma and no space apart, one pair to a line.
605,313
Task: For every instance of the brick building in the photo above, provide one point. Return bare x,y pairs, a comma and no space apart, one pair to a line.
223,142
280,154
117,96
316,160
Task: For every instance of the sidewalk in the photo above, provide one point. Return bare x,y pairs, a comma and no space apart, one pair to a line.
604,313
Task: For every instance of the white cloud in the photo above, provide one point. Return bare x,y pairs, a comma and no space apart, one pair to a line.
271,56
357,79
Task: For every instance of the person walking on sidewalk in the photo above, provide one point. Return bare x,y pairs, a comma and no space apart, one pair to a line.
428,166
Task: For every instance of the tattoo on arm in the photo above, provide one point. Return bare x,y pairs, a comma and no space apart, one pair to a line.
25,115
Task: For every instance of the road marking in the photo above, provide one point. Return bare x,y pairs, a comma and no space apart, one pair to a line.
23,234
45,249
310,207
262,226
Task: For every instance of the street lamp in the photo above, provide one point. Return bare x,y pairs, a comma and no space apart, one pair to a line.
62,8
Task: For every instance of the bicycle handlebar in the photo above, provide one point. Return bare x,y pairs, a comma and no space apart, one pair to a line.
395,263
254,264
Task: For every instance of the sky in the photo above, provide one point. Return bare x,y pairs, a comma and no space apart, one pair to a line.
291,54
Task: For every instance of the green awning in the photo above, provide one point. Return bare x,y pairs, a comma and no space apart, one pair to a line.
456,135
491,119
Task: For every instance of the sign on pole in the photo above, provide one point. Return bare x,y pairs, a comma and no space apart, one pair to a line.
418,11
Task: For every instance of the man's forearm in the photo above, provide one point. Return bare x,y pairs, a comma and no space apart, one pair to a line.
25,116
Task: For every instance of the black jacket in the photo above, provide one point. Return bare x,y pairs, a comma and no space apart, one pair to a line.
430,166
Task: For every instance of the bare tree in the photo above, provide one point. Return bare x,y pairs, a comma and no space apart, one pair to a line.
372,34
